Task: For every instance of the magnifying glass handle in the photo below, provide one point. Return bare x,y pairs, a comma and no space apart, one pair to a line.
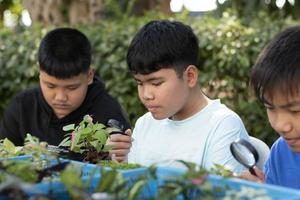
252,171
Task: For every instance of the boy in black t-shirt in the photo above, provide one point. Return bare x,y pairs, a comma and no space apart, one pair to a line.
68,90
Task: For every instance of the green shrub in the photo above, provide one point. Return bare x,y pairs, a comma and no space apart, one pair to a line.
17,62
228,51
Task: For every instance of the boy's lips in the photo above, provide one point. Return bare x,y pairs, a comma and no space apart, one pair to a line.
291,141
61,106
152,108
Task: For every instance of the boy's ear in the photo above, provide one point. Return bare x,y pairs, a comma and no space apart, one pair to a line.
191,74
91,74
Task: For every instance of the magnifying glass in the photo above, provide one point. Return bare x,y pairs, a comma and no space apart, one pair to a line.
245,153
118,126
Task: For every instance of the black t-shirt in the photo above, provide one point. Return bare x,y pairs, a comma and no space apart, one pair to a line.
28,112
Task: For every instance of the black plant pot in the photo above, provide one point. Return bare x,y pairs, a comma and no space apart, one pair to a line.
94,157
72,156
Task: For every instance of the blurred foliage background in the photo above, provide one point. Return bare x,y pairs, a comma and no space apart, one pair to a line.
231,38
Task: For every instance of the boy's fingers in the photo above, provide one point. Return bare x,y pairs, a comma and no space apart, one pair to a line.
259,174
113,158
128,132
118,159
119,145
248,176
120,152
120,138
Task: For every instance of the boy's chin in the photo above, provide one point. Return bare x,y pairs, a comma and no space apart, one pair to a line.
158,116
61,115
293,144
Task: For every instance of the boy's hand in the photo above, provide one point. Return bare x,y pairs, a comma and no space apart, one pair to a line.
248,176
121,144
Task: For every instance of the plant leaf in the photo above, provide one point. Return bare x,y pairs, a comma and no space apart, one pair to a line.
69,127
101,136
9,146
107,180
75,141
98,126
86,131
135,190
107,148
65,143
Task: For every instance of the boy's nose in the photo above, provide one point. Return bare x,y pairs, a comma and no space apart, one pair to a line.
61,96
147,94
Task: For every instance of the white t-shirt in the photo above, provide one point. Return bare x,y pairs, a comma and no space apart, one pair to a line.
203,138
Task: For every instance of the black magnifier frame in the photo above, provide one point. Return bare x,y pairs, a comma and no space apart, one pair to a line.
250,149
116,124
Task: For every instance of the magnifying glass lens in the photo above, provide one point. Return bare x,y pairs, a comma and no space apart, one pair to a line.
243,154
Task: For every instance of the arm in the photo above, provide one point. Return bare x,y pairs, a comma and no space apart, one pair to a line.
223,134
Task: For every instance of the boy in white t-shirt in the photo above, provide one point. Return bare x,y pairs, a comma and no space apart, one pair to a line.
182,123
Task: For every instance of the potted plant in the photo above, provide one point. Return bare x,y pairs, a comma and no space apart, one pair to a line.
87,141
109,184
14,182
8,149
32,147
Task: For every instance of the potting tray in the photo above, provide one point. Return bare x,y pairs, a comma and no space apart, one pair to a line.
233,185
229,185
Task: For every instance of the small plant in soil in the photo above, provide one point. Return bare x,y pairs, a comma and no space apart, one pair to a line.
193,183
112,185
88,139
18,178
32,146
8,149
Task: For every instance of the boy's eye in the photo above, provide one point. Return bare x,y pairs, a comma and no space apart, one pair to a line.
139,83
295,111
73,88
269,108
50,86
157,83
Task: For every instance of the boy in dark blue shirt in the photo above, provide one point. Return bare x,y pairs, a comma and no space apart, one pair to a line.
276,82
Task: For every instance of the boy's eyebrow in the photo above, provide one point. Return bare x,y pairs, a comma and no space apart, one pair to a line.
70,85
48,82
291,104
288,105
136,79
268,104
73,85
150,79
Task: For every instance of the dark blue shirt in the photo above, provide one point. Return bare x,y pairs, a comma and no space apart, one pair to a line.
283,166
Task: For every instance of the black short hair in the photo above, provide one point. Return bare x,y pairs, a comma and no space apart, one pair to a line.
278,66
163,44
64,53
